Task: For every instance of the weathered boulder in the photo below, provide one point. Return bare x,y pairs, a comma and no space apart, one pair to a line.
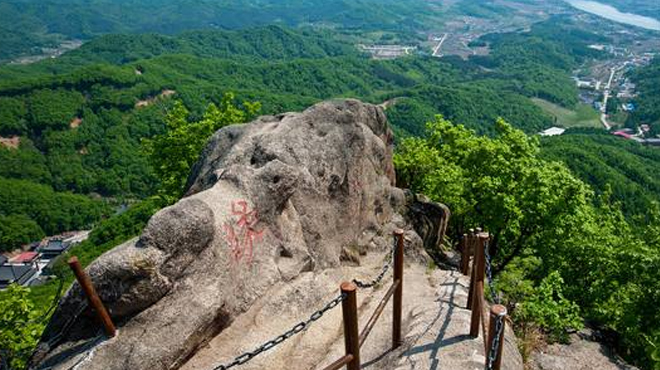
277,213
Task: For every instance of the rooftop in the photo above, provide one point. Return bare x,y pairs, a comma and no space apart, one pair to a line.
15,274
552,131
25,257
55,246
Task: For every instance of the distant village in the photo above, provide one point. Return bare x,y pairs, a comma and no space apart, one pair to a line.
34,265
605,85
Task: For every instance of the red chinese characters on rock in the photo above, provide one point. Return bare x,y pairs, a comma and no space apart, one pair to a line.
241,234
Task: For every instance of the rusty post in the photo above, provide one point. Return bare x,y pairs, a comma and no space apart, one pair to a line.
476,309
496,312
465,255
351,337
93,298
471,249
397,301
479,274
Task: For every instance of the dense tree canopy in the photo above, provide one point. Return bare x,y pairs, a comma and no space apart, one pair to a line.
20,326
547,228
625,169
30,209
648,101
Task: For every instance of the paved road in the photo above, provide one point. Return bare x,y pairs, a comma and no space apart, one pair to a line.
437,48
606,96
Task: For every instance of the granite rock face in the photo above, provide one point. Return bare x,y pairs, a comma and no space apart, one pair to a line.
276,213
584,352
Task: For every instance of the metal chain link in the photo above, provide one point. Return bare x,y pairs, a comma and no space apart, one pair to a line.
499,321
489,274
92,343
65,328
495,346
247,356
379,278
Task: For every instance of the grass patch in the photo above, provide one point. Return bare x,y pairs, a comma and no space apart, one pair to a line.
582,116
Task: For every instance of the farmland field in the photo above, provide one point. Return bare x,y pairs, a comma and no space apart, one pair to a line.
582,116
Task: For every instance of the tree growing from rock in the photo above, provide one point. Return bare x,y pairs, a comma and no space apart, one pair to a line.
173,153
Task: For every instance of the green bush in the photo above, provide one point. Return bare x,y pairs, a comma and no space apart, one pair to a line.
20,326
549,309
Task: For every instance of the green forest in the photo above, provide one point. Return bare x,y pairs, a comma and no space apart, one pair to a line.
562,252
625,169
81,118
31,25
648,101
95,129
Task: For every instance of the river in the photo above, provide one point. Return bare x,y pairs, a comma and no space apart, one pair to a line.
612,13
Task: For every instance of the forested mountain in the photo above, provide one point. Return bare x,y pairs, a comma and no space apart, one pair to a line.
538,63
610,164
30,24
80,132
267,43
648,101
80,118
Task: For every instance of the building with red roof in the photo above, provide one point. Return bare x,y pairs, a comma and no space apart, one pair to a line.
25,258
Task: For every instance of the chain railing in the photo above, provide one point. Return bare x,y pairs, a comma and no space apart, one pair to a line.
494,356
489,274
383,271
301,326
347,298
353,341
477,243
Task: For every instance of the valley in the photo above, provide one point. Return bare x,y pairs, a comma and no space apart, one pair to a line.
103,119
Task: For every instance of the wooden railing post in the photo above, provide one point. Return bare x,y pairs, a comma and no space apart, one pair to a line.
465,255
93,298
478,292
497,312
397,300
351,337
471,249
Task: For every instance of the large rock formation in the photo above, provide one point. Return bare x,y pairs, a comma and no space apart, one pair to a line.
277,213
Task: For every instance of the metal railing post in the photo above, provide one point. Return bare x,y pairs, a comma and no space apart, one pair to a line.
478,292
497,313
351,337
93,298
397,301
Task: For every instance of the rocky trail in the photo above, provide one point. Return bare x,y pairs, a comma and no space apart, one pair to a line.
435,325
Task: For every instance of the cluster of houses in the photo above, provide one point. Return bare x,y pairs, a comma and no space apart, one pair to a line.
625,133
629,134
34,265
